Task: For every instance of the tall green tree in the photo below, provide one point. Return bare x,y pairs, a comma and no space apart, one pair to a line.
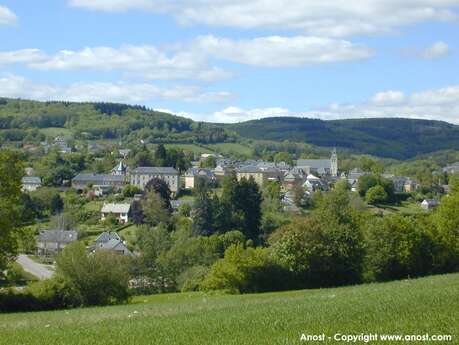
160,155
247,201
202,213
154,209
160,187
143,157
11,172
445,228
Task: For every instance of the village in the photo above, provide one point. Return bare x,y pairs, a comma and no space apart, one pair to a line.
116,191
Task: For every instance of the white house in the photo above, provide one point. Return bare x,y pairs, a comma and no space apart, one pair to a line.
31,183
429,204
119,211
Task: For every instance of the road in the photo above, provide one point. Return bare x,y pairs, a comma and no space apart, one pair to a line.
38,270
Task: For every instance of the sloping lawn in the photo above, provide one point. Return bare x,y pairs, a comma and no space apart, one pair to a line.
428,305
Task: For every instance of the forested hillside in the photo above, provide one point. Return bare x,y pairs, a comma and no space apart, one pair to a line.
27,121
388,137
22,120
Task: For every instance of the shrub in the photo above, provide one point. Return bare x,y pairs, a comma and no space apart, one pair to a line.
321,253
376,195
191,279
397,247
445,231
245,270
43,295
99,278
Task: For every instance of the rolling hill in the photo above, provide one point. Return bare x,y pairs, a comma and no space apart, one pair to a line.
385,137
410,307
31,121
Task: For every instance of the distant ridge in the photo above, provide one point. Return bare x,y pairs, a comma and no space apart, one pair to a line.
397,138
385,137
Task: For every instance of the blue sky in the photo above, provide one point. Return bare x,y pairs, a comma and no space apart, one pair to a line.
228,61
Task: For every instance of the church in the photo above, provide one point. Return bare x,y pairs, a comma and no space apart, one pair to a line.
320,166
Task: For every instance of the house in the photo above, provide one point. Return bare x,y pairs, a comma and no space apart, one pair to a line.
353,178
62,144
119,211
452,169
51,242
260,176
193,174
429,204
111,241
100,191
30,183
83,181
320,166
221,171
29,171
402,184
313,184
124,152
291,181
410,186
293,177
142,175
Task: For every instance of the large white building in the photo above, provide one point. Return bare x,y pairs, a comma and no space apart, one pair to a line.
142,175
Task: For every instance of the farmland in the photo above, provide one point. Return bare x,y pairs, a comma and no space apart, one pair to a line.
427,305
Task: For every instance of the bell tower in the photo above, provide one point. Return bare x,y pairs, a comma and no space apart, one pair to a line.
334,163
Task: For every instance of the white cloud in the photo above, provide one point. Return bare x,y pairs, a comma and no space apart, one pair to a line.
7,17
274,51
114,5
388,97
332,18
438,104
235,114
145,61
437,50
19,87
191,61
24,56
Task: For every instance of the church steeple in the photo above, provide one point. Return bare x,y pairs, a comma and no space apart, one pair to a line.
334,163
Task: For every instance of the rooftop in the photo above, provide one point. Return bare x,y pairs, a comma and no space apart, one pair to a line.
116,208
155,170
98,178
59,236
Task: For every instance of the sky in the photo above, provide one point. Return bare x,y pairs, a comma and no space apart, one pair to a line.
231,61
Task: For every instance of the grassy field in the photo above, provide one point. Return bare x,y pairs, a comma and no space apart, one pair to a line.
428,305
129,234
189,148
231,148
406,208
55,131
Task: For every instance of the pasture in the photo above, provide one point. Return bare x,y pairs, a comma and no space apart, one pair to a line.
427,305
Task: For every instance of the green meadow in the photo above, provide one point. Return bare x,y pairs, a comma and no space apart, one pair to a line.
426,305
